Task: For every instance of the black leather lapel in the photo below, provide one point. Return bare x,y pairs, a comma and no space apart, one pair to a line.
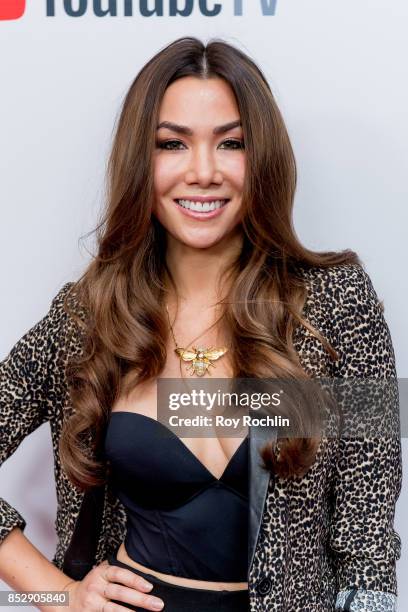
80,555
258,484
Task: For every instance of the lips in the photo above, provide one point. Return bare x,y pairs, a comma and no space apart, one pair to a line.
201,205
202,215
213,198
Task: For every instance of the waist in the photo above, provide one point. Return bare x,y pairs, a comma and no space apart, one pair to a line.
122,556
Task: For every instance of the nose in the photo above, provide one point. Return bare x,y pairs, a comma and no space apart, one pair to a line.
203,168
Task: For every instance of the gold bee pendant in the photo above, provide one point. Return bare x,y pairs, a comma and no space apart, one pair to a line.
201,358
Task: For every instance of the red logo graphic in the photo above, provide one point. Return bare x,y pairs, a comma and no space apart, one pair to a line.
12,9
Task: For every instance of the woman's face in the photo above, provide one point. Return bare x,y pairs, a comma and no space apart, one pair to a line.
201,156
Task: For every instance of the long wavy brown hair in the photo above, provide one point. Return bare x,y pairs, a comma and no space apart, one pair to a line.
122,291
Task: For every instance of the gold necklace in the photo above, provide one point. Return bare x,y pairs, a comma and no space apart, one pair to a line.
201,358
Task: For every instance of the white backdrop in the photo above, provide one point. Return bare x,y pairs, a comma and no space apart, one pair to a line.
338,71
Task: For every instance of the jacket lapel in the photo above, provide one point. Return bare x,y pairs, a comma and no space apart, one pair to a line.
258,483
79,557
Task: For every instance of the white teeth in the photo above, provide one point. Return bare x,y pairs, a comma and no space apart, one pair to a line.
201,206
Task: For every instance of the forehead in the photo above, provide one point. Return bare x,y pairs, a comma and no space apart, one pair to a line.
191,98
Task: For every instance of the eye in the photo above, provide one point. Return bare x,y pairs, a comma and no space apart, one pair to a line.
163,144
236,144
173,145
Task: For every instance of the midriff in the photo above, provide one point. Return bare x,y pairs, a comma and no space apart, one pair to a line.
187,582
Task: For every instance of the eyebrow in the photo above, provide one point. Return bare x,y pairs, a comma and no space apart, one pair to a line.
183,129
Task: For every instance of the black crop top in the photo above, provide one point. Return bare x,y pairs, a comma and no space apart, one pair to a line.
181,520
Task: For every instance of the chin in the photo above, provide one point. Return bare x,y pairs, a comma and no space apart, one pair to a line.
200,244
197,241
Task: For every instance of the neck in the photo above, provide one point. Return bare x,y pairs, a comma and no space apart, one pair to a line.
197,273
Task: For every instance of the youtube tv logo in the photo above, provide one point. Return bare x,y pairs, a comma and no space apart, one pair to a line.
12,9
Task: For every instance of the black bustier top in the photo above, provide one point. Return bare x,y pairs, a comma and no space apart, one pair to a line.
181,520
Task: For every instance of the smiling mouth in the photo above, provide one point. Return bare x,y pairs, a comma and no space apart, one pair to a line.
202,206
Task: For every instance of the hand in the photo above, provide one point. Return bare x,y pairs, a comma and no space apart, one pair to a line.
94,592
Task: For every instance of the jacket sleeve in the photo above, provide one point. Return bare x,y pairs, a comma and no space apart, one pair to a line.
368,467
28,380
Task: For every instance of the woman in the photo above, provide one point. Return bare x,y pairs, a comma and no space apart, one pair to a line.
197,248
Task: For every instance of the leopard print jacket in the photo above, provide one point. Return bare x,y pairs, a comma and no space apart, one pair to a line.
326,541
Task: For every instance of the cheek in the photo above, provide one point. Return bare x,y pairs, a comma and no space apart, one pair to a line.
236,171
166,173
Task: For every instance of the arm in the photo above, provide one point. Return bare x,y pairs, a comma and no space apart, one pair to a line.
25,376
24,406
368,471
24,568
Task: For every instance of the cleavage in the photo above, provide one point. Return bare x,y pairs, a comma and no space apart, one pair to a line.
213,453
